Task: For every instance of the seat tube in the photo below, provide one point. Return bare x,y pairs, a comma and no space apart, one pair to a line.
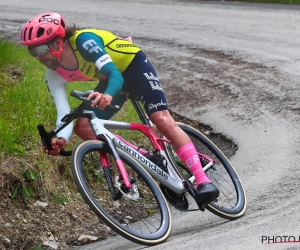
140,112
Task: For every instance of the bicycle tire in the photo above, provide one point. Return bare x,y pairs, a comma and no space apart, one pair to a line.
231,204
150,201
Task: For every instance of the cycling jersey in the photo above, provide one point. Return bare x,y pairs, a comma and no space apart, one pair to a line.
102,55
95,50
91,57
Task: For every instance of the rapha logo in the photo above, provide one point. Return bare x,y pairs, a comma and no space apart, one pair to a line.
152,106
102,61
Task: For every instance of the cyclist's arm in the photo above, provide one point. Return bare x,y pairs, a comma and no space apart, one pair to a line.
91,48
57,88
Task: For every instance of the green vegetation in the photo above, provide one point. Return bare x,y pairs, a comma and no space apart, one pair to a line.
25,101
61,196
27,174
23,184
38,248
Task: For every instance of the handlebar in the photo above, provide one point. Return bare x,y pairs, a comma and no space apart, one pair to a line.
46,137
83,97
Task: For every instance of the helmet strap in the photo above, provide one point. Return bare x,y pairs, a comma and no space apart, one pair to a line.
57,54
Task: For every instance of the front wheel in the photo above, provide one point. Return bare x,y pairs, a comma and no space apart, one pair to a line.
139,214
231,204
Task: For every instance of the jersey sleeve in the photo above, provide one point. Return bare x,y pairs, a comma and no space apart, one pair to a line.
91,47
57,88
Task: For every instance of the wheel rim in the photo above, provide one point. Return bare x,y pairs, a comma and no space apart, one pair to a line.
231,201
141,218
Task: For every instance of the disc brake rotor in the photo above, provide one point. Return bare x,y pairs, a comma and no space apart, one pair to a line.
131,193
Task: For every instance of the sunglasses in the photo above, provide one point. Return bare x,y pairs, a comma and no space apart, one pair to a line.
39,50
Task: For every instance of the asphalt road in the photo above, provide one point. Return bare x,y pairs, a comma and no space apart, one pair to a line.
232,66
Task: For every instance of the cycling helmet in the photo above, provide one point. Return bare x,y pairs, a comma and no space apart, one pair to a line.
42,28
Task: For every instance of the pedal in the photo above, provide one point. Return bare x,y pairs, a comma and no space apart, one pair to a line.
205,202
202,207
190,187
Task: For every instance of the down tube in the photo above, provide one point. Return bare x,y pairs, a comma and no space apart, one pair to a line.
156,172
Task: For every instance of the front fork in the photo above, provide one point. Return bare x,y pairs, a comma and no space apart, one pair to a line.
121,167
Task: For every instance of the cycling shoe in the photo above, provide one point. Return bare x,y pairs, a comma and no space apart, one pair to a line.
206,193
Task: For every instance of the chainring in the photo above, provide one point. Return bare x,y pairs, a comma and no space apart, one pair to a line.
180,202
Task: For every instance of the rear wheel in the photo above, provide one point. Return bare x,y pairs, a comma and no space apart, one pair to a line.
231,204
139,214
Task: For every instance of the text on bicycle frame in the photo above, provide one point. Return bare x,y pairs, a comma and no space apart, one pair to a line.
144,160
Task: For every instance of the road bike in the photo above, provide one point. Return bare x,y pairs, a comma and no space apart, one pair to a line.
128,187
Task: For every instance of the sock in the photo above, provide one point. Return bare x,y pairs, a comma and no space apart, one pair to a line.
189,156
141,151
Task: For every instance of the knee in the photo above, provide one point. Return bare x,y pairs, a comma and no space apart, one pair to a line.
80,126
163,121
77,130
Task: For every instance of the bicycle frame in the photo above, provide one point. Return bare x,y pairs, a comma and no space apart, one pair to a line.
102,131
101,128
170,180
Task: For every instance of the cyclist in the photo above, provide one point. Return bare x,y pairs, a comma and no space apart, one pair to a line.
119,65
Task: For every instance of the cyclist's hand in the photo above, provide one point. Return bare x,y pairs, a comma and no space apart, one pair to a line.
57,144
101,100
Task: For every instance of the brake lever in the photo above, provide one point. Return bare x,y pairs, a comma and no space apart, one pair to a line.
45,137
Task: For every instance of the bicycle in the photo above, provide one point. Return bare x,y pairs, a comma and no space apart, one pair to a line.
133,183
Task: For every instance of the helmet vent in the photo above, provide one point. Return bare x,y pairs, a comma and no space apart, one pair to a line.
63,23
24,34
40,32
30,32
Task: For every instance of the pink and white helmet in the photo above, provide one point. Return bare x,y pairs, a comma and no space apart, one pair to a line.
42,28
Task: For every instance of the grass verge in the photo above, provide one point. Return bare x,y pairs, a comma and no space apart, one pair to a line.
26,173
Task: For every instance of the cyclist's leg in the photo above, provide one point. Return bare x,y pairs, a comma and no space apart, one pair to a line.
82,127
147,86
